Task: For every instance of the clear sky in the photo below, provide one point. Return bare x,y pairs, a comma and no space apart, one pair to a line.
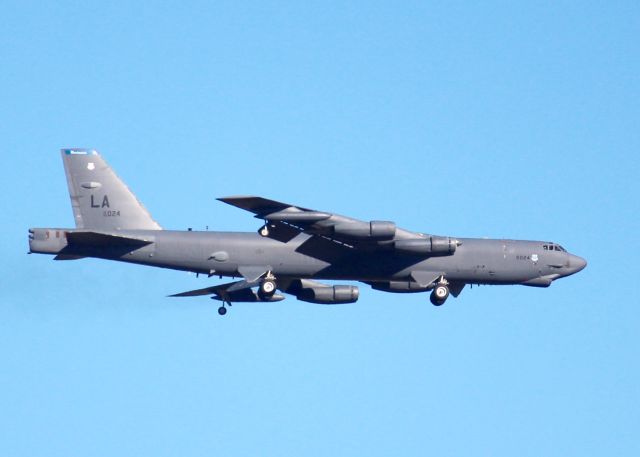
497,119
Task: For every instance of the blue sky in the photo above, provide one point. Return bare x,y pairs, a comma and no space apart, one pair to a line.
501,119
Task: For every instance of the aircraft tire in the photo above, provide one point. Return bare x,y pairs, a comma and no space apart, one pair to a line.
222,310
267,288
439,295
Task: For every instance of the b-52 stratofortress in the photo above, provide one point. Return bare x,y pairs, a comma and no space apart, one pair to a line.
293,248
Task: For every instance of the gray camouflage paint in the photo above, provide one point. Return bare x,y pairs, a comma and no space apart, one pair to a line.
302,244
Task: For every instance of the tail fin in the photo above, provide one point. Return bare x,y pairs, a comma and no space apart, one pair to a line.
99,198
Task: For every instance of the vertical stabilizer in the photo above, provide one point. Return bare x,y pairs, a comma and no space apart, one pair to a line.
99,198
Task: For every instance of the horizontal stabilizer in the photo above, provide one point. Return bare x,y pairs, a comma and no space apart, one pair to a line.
99,239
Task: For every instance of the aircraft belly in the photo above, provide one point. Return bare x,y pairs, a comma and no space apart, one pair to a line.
227,253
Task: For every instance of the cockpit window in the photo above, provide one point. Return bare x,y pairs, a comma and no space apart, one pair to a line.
553,247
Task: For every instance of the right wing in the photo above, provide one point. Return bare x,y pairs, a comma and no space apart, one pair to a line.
238,291
303,289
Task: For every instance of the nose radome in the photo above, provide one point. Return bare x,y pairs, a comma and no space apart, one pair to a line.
577,263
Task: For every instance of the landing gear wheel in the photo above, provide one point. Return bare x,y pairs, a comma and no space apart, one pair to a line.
222,310
264,231
439,295
267,288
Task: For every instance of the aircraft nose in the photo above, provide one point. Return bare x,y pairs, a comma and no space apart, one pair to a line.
576,263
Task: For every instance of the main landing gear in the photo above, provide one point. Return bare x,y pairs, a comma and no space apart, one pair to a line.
266,290
440,292
267,287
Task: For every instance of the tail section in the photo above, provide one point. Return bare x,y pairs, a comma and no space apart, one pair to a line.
99,198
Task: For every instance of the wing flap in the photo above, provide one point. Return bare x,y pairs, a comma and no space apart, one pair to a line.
425,278
307,217
252,273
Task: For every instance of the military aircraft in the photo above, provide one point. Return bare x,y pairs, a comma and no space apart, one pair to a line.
293,248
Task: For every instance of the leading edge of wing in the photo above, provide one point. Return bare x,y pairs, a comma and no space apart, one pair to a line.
239,291
213,290
258,205
219,289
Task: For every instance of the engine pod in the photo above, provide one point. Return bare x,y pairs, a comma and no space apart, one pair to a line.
431,246
375,230
329,295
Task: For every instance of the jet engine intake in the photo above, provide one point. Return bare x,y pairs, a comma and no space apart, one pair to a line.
432,246
329,295
377,230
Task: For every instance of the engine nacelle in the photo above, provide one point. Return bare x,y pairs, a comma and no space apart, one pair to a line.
376,230
329,295
401,287
432,246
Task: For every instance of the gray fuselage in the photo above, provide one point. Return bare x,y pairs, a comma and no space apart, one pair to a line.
476,261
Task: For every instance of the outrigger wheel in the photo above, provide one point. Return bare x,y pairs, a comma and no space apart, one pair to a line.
225,302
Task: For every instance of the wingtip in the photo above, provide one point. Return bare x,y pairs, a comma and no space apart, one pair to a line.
181,294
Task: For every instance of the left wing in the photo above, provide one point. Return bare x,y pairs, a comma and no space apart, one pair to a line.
284,221
340,228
